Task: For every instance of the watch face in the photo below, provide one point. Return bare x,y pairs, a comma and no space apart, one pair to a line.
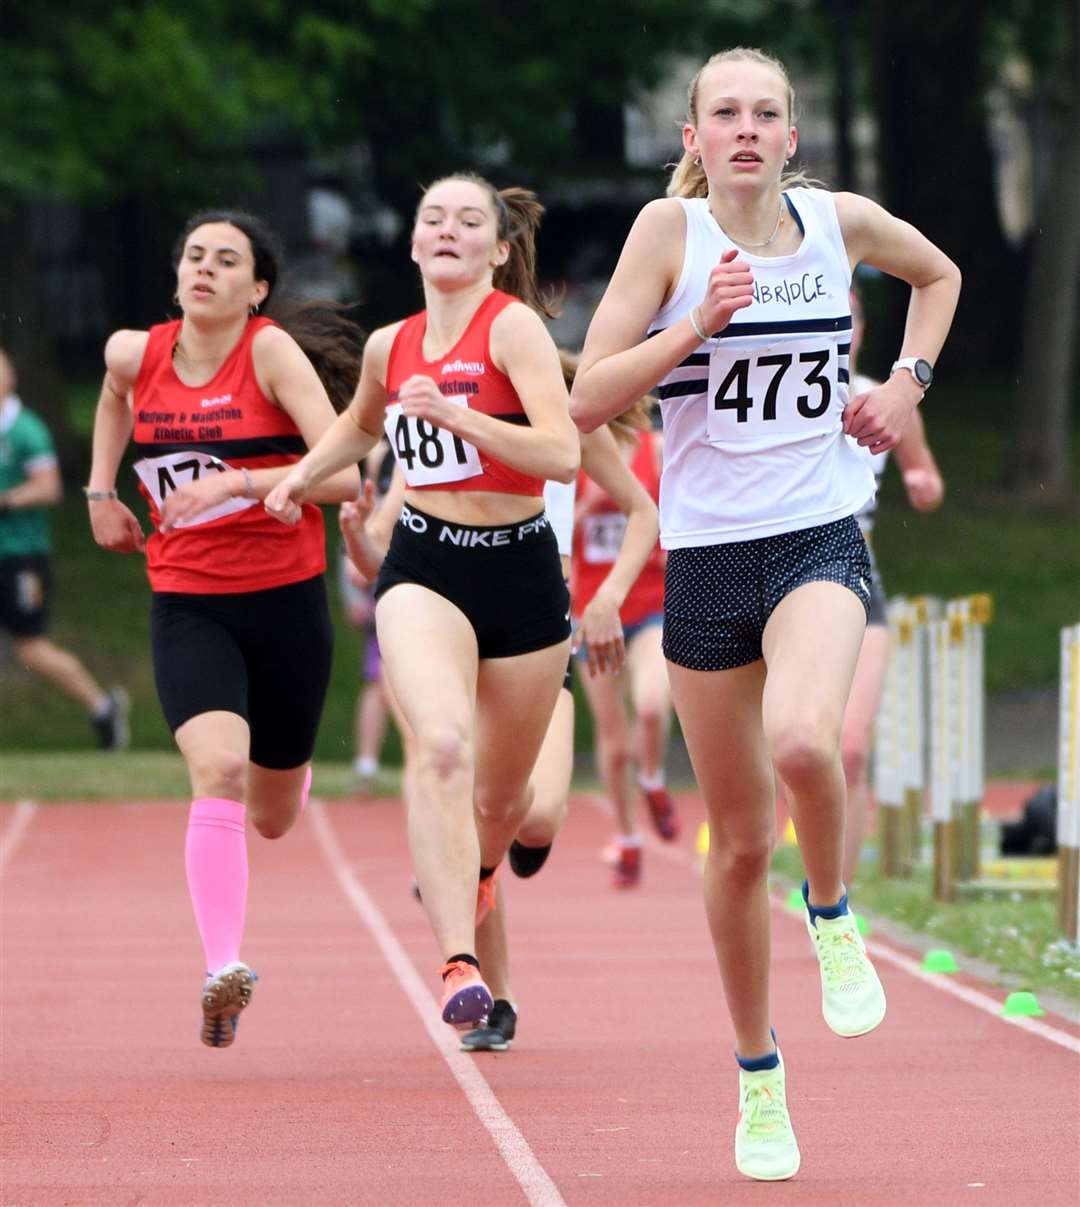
924,372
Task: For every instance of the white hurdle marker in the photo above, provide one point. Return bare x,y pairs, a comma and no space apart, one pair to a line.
1068,815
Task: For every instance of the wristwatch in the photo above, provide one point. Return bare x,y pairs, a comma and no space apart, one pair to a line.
921,370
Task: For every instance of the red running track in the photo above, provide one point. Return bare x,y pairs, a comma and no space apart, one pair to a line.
619,1090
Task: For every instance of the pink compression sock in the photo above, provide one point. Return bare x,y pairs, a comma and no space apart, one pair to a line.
215,856
305,791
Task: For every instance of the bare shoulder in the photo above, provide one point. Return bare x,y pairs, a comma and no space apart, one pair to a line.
858,216
662,217
273,345
518,336
516,320
124,351
377,349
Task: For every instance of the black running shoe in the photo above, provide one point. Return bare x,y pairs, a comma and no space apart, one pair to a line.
112,727
497,1034
527,861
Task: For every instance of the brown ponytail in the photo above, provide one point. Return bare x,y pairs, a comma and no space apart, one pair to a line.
329,339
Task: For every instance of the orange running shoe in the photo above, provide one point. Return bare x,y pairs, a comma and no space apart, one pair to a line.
665,817
485,897
627,870
466,1000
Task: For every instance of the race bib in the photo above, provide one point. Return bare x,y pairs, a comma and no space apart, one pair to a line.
428,454
603,536
162,475
779,389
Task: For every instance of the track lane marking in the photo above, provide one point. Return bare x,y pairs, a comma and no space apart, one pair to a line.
15,829
535,1182
973,997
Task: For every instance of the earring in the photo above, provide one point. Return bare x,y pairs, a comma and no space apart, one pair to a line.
176,297
697,161
253,309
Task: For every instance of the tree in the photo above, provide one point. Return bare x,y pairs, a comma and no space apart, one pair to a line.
148,108
1042,465
930,66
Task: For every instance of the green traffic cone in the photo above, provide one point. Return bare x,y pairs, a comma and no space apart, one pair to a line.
795,901
939,960
862,924
1022,1004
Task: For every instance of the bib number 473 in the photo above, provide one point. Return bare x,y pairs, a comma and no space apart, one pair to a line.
734,391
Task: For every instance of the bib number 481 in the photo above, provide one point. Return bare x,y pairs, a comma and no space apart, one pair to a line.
429,454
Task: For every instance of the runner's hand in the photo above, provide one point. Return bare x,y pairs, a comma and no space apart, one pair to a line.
354,514
420,396
115,527
730,288
187,501
283,502
925,489
877,418
601,633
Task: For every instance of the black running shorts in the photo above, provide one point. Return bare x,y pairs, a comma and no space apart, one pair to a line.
718,598
264,655
25,587
506,579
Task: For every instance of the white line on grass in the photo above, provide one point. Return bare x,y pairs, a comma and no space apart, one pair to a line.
15,830
531,1176
973,997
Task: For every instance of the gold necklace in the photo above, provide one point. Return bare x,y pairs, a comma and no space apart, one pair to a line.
775,230
180,350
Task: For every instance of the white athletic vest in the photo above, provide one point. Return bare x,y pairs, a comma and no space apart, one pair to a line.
559,505
866,513
753,438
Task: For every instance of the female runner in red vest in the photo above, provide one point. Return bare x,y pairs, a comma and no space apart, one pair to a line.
473,614
598,530
221,403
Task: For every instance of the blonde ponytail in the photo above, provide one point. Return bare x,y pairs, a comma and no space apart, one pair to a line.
688,178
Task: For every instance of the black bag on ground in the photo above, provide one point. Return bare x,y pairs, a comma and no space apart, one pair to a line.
1036,831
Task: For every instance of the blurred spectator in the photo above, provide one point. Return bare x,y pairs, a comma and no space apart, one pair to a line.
30,482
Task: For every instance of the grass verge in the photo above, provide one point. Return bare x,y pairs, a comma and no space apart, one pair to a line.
138,775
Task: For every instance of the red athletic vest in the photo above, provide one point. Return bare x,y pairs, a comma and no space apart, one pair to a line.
179,431
598,538
431,458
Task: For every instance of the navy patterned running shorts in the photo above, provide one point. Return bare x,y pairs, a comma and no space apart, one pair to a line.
718,598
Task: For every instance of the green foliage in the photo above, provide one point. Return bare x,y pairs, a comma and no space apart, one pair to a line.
101,99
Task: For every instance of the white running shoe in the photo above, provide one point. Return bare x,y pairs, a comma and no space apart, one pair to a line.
765,1145
852,999
224,995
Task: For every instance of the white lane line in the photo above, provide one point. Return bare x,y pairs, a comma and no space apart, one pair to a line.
973,997
539,1189
15,830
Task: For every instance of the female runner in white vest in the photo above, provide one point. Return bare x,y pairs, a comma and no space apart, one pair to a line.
732,294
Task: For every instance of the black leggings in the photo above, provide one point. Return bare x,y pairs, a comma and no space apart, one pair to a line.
264,655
